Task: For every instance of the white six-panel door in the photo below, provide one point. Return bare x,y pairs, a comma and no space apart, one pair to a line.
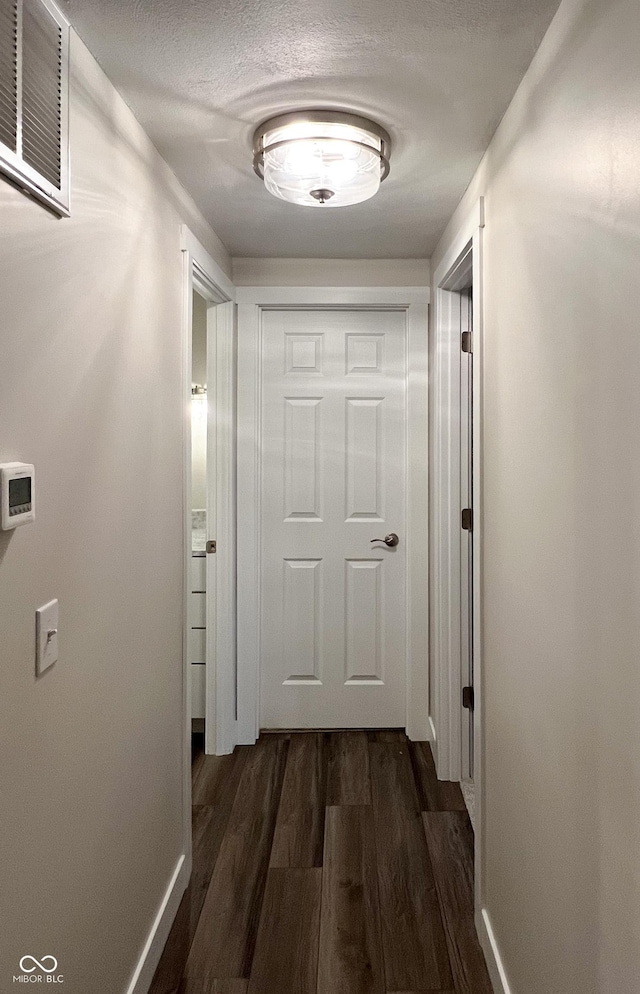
333,472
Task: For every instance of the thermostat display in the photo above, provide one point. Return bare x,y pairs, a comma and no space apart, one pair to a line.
19,492
16,494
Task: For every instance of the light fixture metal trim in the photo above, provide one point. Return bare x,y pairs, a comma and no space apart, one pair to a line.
307,118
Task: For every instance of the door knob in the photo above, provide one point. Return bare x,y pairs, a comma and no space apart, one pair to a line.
391,540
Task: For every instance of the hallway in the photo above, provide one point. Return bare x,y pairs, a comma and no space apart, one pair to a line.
333,863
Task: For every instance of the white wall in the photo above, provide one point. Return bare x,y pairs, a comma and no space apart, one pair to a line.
90,391
198,405
331,272
562,512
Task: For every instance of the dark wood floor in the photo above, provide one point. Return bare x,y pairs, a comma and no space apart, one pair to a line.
326,863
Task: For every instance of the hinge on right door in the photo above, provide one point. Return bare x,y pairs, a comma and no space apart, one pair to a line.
467,519
467,698
467,344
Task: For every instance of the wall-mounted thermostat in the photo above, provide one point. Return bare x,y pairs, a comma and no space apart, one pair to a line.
17,496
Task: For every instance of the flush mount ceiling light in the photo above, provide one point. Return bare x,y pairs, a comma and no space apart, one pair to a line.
321,158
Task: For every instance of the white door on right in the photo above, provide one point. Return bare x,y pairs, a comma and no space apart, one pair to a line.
333,452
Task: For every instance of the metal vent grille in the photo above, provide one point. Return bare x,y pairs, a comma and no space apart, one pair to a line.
34,99
41,90
9,74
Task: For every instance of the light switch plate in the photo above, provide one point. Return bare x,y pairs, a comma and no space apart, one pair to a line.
46,636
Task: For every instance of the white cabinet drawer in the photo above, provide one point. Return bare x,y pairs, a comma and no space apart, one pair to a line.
197,610
198,573
197,691
196,641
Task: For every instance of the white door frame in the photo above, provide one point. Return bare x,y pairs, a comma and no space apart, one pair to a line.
201,273
465,247
252,301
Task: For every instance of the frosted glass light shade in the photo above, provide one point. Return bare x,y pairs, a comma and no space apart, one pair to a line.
321,159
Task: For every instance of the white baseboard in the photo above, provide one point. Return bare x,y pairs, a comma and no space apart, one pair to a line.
150,957
491,953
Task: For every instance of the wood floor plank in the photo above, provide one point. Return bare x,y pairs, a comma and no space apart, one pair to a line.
348,780
214,987
350,957
217,775
225,937
229,987
433,794
168,976
413,938
286,956
386,735
299,834
450,840
208,826
470,974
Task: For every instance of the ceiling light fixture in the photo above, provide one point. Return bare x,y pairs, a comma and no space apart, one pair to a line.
321,158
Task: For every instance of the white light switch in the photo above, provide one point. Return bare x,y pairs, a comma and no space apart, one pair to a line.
46,636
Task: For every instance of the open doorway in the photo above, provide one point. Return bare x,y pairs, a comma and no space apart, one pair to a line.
209,676
452,672
455,521
197,600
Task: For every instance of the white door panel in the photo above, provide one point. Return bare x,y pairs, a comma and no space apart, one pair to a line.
333,478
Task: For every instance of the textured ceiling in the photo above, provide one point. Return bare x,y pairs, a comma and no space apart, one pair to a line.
200,75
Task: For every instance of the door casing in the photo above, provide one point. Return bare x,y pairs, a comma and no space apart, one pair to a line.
252,302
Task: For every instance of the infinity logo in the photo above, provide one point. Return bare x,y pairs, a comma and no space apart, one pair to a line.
37,965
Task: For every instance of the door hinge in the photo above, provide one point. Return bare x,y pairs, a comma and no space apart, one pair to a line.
467,342
211,545
467,519
467,698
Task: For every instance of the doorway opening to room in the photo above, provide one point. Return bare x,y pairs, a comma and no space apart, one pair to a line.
209,521
197,607
456,521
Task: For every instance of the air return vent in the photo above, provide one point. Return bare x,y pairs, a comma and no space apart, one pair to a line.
34,57
9,75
